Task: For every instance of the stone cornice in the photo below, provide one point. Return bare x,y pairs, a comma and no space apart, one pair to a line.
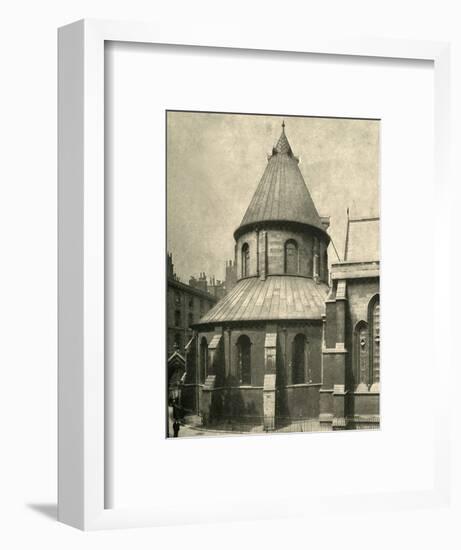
354,270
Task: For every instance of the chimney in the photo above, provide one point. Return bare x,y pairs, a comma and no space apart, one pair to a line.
170,265
202,282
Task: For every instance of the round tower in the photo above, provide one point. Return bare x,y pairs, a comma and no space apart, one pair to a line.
281,232
258,350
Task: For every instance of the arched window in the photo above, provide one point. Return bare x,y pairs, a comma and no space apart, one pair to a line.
299,360
291,257
177,341
245,260
361,359
203,359
244,360
373,320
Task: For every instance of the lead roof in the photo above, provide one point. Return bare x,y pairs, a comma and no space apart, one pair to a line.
276,298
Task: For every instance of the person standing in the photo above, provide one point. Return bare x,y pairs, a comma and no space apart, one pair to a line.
176,426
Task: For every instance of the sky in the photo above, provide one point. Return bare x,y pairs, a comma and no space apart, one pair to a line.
215,162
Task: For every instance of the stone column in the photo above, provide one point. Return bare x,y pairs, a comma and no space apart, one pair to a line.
263,255
333,392
207,395
213,348
341,314
315,260
269,392
209,386
339,391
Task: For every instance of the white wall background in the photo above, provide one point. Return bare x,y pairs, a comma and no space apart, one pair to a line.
28,274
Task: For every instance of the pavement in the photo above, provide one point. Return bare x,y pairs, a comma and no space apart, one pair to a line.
191,427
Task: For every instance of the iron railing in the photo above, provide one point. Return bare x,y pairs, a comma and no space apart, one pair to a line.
259,424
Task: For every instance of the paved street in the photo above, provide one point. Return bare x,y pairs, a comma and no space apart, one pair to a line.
192,428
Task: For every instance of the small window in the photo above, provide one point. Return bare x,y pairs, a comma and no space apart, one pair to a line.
177,318
291,257
191,302
177,298
245,260
361,354
244,360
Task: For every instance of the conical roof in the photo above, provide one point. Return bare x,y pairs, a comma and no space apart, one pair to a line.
282,194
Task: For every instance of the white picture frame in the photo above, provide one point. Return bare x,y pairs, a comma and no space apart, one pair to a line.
83,467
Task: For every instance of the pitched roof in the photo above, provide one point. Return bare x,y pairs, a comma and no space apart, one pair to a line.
282,194
277,297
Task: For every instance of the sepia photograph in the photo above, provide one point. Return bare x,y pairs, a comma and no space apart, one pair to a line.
272,274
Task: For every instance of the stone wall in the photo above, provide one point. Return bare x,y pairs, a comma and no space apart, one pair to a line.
267,252
342,402
257,353
229,397
313,333
359,294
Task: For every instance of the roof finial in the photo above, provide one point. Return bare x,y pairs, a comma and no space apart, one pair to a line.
283,125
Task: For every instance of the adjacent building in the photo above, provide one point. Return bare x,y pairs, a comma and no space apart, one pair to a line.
186,304
349,396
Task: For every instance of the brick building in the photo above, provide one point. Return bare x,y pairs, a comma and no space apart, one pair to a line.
288,341
186,304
